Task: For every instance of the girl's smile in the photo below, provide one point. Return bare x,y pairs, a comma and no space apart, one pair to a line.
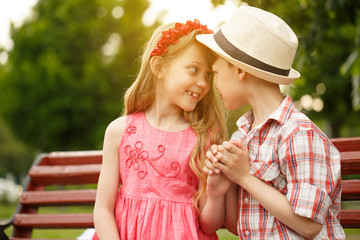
193,94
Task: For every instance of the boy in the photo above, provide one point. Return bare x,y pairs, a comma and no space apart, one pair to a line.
286,169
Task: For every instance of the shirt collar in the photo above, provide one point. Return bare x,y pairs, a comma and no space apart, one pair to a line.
281,114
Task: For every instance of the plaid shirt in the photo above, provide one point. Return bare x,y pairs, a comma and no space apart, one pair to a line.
291,154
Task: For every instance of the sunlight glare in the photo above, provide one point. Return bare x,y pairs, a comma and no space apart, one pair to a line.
180,11
12,11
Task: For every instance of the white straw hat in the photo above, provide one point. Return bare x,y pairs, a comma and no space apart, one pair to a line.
258,42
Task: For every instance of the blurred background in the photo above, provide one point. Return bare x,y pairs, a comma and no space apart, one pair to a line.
65,65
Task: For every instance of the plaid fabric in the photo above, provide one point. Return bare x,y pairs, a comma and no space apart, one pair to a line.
291,154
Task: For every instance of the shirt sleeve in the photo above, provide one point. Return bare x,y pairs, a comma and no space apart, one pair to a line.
313,173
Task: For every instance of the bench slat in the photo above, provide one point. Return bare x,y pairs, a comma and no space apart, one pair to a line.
81,220
347,144
350,218
72,158
350,163
74,174
58,198
350,190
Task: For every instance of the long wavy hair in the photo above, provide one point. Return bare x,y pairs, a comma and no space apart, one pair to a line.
207,119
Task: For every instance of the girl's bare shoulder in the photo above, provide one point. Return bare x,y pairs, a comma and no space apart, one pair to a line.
117,127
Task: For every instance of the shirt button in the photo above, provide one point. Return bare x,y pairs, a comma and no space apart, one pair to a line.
246,200
247,233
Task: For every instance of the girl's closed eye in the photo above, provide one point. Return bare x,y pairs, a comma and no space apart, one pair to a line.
209,75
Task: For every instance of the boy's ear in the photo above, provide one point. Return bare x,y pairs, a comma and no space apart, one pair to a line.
155,64
241,73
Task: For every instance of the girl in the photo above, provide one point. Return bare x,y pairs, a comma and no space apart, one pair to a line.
155,151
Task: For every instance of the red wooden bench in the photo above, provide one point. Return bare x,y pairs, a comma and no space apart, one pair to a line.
83,167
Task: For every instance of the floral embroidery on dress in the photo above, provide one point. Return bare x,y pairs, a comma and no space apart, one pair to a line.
138,159
189,180
130,130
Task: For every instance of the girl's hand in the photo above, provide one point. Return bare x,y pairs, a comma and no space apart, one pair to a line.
217,185
212,163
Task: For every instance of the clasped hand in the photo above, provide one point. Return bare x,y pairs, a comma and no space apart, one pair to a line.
226,162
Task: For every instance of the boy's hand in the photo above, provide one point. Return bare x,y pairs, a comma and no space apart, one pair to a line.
233,160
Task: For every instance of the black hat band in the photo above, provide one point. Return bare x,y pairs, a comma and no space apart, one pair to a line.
236,53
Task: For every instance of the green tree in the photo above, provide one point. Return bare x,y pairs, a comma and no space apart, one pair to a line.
328,32
71,62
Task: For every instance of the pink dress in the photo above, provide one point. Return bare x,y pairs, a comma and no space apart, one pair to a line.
155,200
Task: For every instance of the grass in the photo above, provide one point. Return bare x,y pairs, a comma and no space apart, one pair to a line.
6,210
224,234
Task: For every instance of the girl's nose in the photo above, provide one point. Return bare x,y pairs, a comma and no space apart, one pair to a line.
202,82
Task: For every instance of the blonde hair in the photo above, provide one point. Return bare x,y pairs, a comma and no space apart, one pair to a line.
207,119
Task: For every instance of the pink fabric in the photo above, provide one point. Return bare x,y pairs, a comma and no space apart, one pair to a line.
157,184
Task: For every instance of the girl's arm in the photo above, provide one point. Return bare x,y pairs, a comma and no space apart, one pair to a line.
212,209
109,181
212,204
231,208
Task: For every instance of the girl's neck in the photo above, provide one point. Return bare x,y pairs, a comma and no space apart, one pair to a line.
165,118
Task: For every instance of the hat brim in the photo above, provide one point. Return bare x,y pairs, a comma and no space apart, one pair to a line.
209,41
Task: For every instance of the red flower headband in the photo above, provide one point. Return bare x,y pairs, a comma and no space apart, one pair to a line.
172,35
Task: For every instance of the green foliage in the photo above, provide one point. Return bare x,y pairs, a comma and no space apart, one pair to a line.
15,157
69,67
327,38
